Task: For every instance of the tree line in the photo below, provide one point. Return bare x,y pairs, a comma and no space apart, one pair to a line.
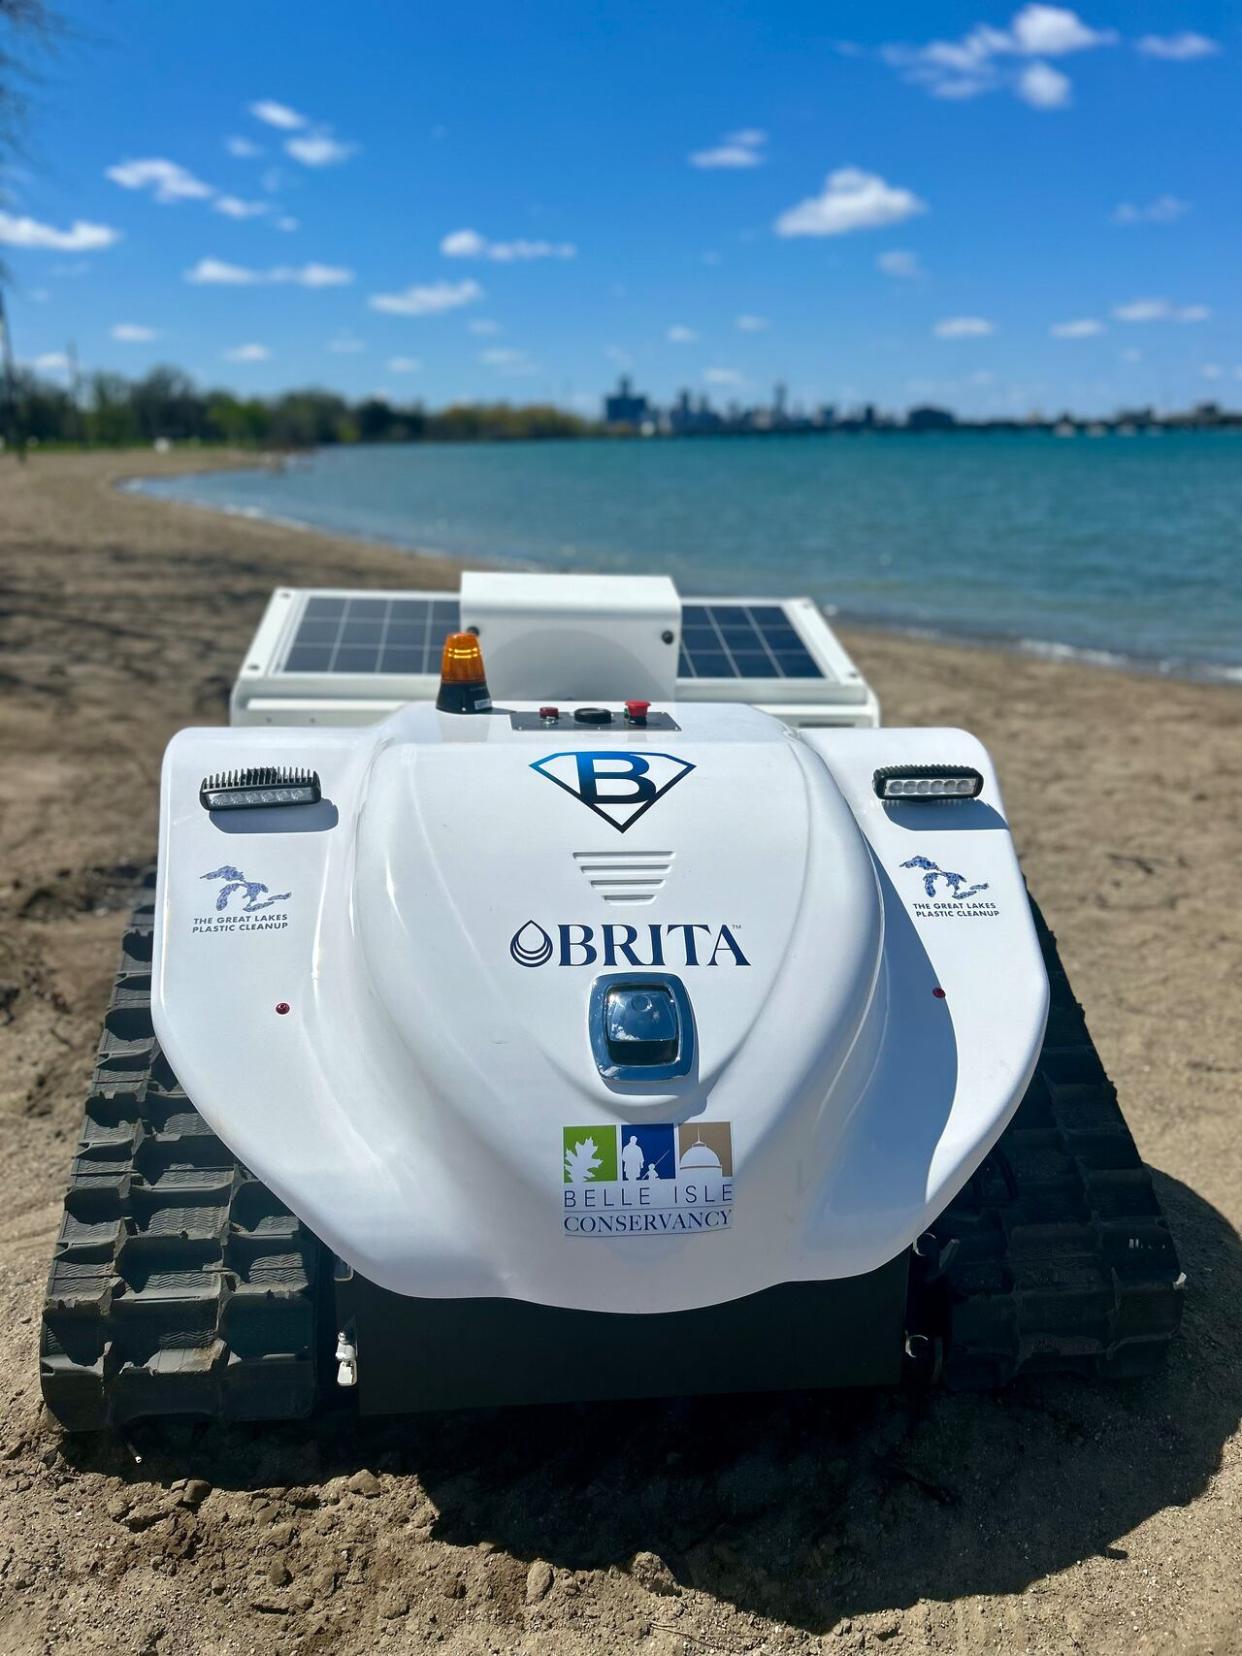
109,410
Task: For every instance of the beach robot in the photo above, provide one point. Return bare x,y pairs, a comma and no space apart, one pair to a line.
638,1004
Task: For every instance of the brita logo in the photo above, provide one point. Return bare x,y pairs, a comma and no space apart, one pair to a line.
616,945
617,785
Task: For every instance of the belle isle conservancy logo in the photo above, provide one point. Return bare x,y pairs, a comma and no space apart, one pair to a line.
655,1180
617,785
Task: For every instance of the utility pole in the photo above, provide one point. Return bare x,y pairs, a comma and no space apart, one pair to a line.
75,393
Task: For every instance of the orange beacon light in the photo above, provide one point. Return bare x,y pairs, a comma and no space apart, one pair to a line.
463,683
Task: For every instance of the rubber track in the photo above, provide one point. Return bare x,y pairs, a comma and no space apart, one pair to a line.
180,1285
1056,1255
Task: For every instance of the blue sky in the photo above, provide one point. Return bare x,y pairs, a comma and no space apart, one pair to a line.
997,209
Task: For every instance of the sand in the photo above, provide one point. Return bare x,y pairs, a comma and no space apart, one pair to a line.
1060,1516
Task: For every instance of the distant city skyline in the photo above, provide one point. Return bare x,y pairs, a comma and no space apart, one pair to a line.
1009,209
628,409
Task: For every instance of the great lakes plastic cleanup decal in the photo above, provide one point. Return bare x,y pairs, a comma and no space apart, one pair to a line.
655,1180
241,905
948,895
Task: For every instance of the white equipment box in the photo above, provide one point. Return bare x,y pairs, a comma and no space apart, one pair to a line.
332,656
548,636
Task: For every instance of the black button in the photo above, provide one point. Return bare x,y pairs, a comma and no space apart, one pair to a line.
592,715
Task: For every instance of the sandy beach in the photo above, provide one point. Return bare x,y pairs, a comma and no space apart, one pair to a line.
1060,1516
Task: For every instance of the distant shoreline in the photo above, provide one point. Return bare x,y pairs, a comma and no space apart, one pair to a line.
911,629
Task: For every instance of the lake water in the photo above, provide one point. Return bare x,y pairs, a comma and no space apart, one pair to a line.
1118,548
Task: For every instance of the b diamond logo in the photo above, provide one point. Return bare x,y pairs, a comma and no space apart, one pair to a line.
617,785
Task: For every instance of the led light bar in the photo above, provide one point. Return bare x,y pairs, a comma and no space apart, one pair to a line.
927,782
262,785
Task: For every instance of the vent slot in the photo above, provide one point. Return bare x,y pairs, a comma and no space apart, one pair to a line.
626,876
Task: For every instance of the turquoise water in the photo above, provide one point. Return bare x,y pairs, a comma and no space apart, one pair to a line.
1127,548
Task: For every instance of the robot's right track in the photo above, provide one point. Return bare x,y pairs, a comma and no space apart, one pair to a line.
1056,1256
180,1284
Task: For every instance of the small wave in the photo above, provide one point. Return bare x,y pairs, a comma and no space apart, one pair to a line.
1052,650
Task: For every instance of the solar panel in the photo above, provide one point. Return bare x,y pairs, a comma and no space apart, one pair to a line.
747,641
372,635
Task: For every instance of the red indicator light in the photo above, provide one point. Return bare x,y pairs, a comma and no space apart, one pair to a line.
282,1007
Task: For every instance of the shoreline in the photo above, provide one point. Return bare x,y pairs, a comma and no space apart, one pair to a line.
1170,668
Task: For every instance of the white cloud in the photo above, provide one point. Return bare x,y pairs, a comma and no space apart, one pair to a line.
234,207
977,62
1177,48
428,299
1212,370
851,200
484,326
1131,355
403,365
133,333
723,377
167,181
679,334
1160,310
1049,31
1044,87
1143,310
51,362
469,244
319,149
346,344
312,275
80,237
464,244
963,327
247,353
243,148
1165,209
215,272
738,149
897,263
287,222
508,361
751,324
278,115
1085,328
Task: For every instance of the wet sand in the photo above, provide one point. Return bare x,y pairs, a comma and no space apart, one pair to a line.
1060,1516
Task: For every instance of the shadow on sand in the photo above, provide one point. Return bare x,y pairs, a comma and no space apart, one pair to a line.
804,1508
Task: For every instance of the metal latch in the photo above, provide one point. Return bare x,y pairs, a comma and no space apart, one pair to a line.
642,1028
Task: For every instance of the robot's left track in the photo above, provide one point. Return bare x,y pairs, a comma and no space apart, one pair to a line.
180,1285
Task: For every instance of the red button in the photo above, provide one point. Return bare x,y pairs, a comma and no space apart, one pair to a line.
549,712
637,710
